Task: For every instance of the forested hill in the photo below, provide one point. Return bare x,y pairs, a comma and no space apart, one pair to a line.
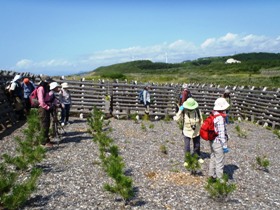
258,69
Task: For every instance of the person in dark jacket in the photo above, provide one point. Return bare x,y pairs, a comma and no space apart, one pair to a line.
28,87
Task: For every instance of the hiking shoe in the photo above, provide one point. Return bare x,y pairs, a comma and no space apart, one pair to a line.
62,124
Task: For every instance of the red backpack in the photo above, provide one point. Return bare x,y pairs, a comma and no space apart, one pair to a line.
207,130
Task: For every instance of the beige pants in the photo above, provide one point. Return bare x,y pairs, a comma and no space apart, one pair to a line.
216,167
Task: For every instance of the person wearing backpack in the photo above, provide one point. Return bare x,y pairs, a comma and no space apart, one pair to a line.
218,146
185,94
47,103
192,121
16,95
28,87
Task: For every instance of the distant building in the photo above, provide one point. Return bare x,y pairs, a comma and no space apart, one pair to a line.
231,60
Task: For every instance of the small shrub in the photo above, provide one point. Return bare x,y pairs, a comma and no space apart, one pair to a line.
167,118
151,126
134,117
146,117
262,163
143,127
277,133
240,132
219,189
191,163
163,149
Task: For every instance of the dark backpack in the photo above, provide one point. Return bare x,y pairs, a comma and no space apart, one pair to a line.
141,97
207,130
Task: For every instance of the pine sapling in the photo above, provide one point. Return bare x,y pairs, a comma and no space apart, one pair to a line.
192,163
219,189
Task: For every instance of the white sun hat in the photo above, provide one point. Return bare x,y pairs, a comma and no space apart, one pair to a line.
221,104
53,85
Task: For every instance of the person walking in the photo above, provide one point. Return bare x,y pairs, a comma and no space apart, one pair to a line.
65,100
192,121
218,146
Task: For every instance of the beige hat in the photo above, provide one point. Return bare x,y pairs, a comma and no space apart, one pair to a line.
190,103
64,85
221,104
53,85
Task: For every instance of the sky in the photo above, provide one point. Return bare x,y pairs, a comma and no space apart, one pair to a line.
63,37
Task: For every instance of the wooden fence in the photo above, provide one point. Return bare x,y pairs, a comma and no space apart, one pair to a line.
249,103
121,99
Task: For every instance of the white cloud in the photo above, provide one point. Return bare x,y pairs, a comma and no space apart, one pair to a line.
24,63
177,51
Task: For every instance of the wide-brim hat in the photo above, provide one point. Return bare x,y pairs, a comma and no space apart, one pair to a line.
221,104
64,85
53,85
190,103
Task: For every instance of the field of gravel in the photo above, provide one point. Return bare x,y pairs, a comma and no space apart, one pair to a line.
73,177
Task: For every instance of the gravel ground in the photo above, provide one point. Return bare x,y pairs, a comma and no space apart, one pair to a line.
74,179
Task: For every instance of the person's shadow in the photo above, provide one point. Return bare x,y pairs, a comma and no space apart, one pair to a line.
230,169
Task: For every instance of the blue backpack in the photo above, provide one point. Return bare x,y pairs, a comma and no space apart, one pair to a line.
141,97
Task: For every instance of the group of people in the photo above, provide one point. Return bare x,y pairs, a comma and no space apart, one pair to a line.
51,96
192,119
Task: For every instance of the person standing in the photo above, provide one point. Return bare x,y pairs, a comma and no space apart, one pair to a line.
28,88
185,94
65,100
227,96
218,146
146,99
192,121
16,94
47,102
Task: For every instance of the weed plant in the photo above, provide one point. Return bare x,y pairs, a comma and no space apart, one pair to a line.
143,127
277,133
163,149
262,163
240,132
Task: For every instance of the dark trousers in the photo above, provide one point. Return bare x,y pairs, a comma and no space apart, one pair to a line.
27,104
65,113
196,145
45,121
